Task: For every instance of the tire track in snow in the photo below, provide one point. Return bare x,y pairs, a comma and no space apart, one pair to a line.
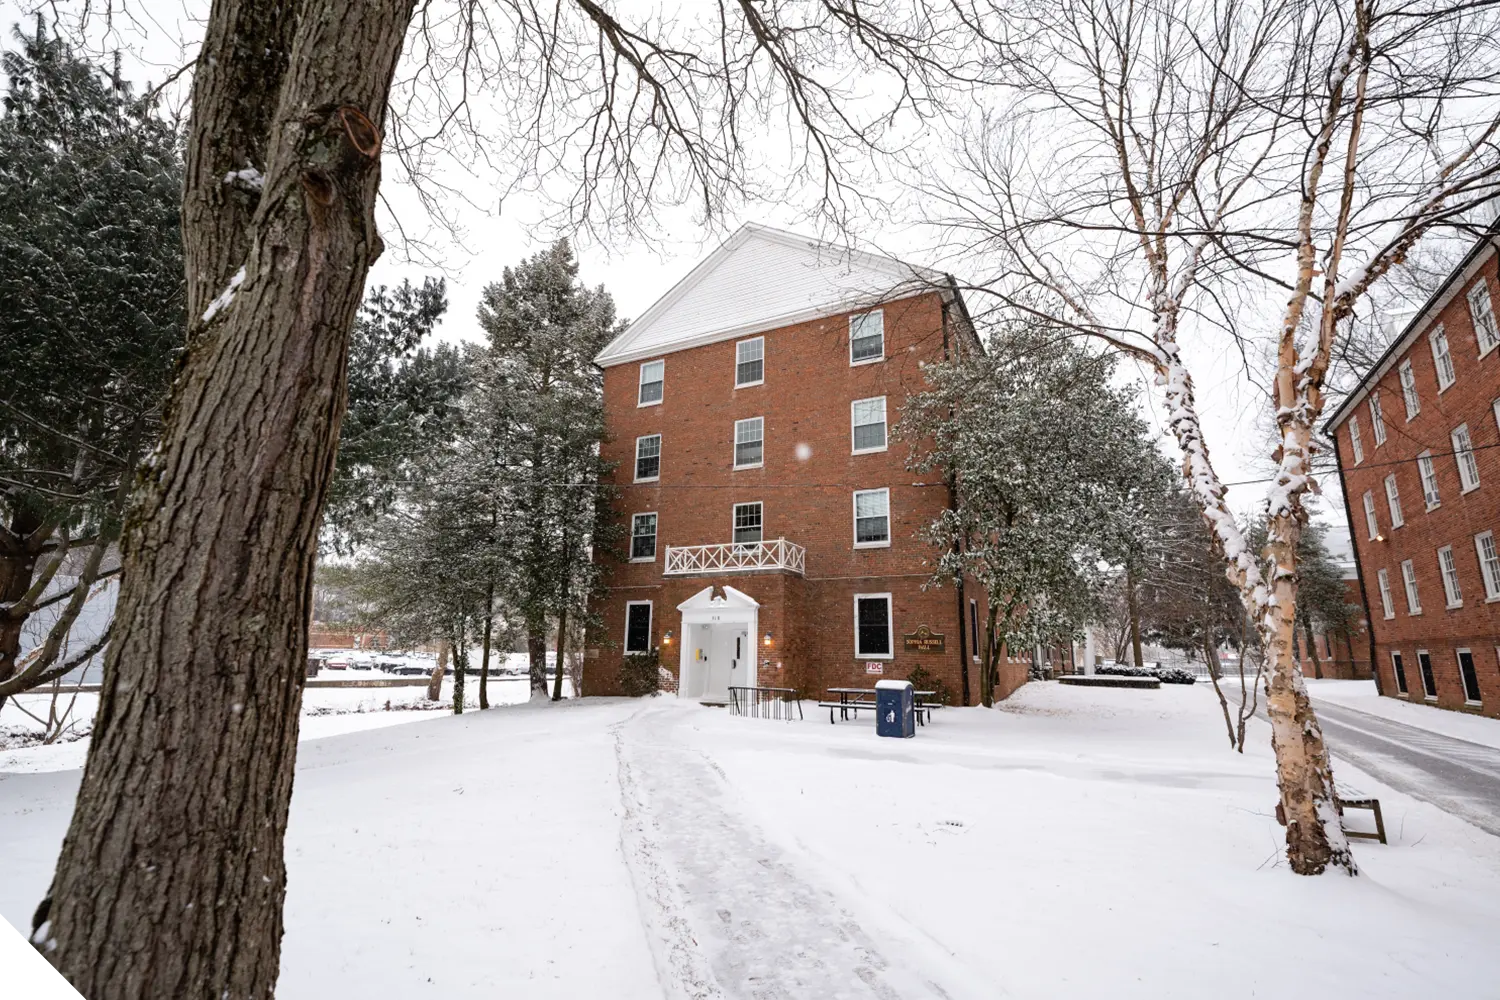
727,897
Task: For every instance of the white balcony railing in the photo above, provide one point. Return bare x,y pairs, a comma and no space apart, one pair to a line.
736,557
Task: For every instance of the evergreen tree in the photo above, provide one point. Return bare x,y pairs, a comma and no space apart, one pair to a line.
91,318
542,400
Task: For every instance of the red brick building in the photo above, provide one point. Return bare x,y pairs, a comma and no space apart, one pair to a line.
771,524
1421,478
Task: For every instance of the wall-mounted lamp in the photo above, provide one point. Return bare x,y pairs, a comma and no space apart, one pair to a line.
666,639
768,638
1380,538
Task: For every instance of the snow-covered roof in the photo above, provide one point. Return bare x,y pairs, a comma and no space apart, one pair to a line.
760,279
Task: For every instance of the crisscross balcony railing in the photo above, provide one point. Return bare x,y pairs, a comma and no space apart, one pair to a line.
736,557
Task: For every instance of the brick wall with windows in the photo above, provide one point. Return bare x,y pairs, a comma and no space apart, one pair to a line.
1432,574
785,434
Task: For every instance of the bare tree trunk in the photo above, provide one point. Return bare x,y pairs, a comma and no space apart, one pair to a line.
172,878
21,544
460,666
1312,648
1133,602
562,645
1211,658
435,683
484,667
536,651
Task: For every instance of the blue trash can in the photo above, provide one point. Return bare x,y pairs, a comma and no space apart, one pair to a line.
895,709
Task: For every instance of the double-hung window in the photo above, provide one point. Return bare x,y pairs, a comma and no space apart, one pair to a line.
1377,419
1409,579
1429,480
1429,682
868,419
1489,564
750,362
872,626
1463,454
1387,605
637,626
872,518
1355,444
1398,666
1409,390
1483,313
747,523
1442,358
867,337
1371,524
653,373
1393,501
648,458
1469,676
1452,592
643,538
749,443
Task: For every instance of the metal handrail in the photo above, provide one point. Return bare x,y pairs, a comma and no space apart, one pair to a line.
765,702
736,557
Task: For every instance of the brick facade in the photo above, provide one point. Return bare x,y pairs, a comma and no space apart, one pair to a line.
1442,627
805,484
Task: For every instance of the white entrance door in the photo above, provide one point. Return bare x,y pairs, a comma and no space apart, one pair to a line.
722,661
718,648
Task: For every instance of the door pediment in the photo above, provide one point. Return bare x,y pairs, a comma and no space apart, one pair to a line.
727,599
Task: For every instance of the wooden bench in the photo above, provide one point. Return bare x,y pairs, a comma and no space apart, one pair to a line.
1356,800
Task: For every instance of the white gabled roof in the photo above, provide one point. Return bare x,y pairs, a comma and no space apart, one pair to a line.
761,279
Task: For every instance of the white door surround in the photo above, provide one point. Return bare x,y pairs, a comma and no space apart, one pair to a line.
709,624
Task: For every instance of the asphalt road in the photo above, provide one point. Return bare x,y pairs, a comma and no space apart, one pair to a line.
1460,777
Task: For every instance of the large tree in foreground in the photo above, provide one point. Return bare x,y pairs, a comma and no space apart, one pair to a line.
171,878
1166,168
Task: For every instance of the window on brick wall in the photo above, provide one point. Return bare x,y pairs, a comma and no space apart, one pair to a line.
747,522
1486,331
1409,390
1489,564
1463,454
872,518
866,337
648,458
1429,682
872,626
750,362
653,373
1371,524
1448,567
1469,676
749,442
1398,667
868,419
637,626
1428,474
1409,580
1442,358
1355,444
1377,419
643,538
1386,604
1393,501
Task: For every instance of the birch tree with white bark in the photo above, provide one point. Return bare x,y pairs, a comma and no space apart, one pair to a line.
1245,171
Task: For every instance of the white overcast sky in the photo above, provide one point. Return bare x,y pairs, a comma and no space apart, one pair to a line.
163,34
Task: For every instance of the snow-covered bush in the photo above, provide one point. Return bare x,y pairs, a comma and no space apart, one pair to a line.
639,674
1175,675
1167,675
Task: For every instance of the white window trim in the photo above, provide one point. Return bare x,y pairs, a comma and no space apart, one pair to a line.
1463,685
1491,593
1482,286
1377,418
1422,676
637,467
1427,473
1409,585
734,516
760,381
1403,689
1372,522
885,426
890,627
1393,502
1495,408
734,445
1387,600
854,519
641,381
1438,333
1409,396
1449,601
650,621
867,361
1458,459
655,546
1356,445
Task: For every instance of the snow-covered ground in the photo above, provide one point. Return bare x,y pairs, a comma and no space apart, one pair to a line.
1361,695
1075,843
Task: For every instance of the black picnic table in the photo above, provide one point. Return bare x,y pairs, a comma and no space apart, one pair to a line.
854,699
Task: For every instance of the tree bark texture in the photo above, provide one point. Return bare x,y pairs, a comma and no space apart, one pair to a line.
20,547
1134,604
1312,649
484,663
435,683
172,878
562,644
536,651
